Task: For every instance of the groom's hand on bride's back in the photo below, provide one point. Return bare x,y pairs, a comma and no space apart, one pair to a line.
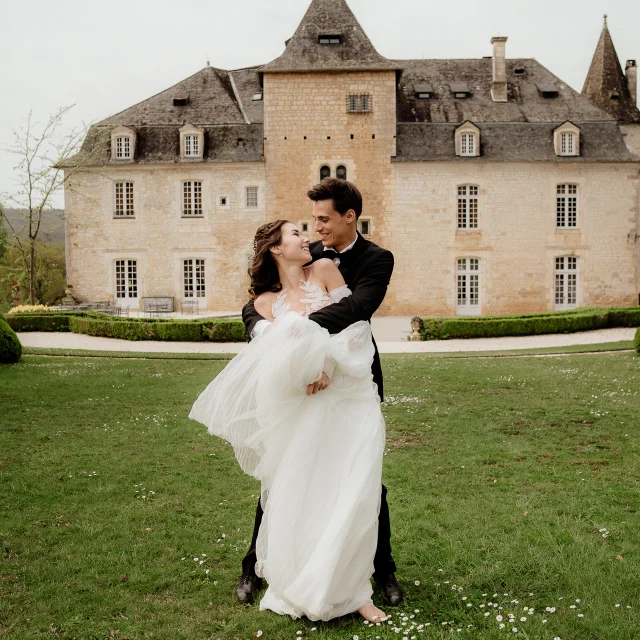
318,385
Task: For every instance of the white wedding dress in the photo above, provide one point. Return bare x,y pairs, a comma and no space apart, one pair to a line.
319,457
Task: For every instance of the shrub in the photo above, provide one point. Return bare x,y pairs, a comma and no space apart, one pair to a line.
163,329
636,342
10,347
531,324
37,322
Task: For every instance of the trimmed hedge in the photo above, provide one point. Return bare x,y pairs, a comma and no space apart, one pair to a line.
530,324
10,347
636,342
107,326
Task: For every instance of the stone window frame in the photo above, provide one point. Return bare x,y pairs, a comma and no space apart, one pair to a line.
466,274
465,129
183,199
468,197
359,103
360,227
567,205
566,128
197,287
123,197
227,202
121,133
191,130
333,167
566,282
302,224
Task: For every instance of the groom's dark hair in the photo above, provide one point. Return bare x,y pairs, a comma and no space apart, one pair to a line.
345,195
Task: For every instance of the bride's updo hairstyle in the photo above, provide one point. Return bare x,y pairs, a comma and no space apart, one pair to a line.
263,270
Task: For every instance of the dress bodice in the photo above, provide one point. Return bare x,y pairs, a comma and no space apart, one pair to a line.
314,299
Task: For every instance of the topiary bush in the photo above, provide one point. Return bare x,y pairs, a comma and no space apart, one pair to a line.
10,347
530,324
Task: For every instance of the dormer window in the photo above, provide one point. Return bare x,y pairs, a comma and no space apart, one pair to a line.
191,142
330,39
257,97
123,148
123,144
548,90
519,71
423,91
181,102
467,140
460,89
191,146
567,140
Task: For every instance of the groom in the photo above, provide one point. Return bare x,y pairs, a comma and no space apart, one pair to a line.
366,268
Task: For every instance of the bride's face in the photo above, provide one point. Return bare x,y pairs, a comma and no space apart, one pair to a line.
294,247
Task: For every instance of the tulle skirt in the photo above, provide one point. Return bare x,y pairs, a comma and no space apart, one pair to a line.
319,460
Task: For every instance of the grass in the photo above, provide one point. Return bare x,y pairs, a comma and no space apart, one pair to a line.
509,480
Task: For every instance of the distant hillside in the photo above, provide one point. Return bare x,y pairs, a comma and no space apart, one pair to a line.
52,229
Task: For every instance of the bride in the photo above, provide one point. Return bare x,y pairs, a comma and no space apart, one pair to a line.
318,456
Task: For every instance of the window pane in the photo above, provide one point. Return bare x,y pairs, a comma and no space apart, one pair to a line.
341,172
325,172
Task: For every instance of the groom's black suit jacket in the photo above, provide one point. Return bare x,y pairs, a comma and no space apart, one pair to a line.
367,269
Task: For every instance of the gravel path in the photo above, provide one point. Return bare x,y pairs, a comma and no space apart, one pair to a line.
383,330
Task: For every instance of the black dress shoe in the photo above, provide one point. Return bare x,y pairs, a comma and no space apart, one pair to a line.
391,590
246,587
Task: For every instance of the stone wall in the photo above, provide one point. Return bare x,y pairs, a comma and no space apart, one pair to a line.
306,125
517,240
158,237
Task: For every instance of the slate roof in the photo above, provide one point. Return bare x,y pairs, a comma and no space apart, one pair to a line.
329,17
221,102
526,102
510,142
606,79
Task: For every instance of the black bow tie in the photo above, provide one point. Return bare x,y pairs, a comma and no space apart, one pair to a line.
332,253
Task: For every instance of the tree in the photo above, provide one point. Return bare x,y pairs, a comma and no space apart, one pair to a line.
4,235
49,275
47,160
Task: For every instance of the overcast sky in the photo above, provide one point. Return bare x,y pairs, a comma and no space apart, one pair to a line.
104,57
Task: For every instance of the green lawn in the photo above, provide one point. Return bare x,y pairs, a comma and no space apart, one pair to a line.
512,481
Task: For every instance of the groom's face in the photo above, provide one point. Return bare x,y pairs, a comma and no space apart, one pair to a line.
336,231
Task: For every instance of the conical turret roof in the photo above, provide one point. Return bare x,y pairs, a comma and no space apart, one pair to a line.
606,85
352,50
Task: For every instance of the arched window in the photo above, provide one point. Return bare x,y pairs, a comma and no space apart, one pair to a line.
468,287
566,283
325,172
341,172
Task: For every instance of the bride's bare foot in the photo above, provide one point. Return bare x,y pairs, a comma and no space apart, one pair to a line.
371,613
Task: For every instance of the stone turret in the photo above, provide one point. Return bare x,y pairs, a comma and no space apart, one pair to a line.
606,85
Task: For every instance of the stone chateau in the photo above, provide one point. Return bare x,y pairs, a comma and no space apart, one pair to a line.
498,187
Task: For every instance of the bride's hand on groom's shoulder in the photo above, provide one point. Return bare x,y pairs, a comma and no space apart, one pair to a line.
318,385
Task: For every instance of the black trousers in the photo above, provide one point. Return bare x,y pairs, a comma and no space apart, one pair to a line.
383,563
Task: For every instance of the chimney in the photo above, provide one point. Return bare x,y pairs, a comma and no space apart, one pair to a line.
631,72
499,86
